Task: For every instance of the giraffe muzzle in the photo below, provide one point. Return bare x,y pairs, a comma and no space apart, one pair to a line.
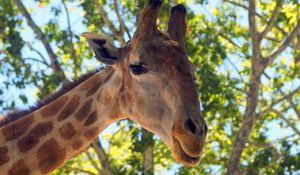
188,140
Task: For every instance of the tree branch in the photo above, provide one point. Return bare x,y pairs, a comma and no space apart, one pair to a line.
121,21
257,14
233,43
53,58
148,159
78,170
270,59
272,20
173,2
4,52
39,53
279,100
245,7
94,164
116,33
293,105
267,144
102,156
287,121
234,67
37,60
253,33
73,53
289,99
113,136
252,100
277,41
122,25
246,127
252,21
229,40
248,121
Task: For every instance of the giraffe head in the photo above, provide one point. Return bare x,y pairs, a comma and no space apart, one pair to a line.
157,88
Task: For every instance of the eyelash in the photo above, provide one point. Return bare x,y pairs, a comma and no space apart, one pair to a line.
138,69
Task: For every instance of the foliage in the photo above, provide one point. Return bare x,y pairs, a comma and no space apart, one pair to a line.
218,43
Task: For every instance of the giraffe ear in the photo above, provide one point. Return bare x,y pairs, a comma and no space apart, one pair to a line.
177,24
103,48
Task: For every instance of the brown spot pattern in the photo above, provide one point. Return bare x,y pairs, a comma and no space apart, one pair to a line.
3,155
67,131
70,108
18,128
84,110
91,119
105,98
140,103
78,144
54,107
129,97
117,81
50,156
94,88
91,133
33,137
123,98
126,98
116,113
90,83
19,168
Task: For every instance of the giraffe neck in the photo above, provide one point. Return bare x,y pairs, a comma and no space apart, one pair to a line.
45,139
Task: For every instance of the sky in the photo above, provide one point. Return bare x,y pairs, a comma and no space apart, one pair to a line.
41,16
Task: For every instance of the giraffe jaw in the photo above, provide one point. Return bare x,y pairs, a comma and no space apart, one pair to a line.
183,157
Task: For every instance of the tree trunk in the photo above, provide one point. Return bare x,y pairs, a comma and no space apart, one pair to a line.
252,99
246,127
102,156
148,162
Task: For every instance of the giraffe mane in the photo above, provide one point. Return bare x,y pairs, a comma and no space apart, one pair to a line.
19,113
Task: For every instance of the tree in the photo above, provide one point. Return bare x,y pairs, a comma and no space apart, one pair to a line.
247,71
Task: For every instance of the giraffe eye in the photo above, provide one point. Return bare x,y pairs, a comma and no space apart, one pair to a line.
138,69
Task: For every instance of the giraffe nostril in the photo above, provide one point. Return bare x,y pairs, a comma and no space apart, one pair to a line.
189,125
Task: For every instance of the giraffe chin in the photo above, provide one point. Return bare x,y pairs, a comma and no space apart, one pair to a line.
182,157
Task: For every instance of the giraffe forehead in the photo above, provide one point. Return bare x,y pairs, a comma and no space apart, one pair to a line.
163,53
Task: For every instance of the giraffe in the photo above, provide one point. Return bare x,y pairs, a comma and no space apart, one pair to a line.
150,81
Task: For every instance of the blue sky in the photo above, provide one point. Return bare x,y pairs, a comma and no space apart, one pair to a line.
41,16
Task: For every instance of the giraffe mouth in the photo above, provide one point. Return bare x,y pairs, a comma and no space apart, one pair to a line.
182,156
